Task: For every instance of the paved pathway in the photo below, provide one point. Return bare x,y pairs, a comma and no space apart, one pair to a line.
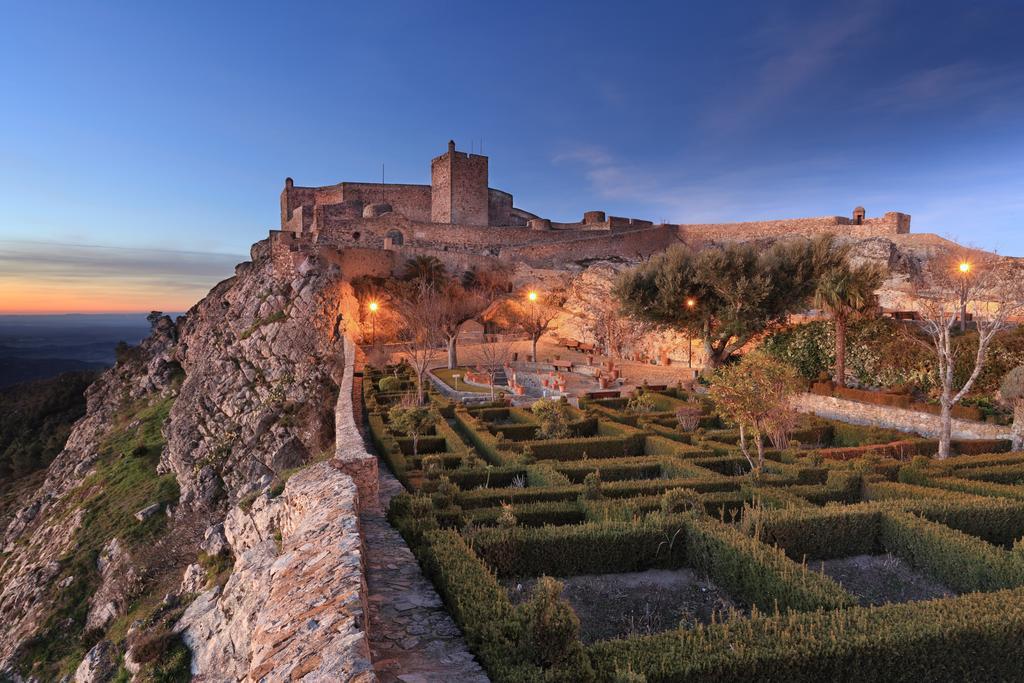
412,637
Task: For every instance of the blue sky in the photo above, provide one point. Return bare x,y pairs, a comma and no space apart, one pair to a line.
167,129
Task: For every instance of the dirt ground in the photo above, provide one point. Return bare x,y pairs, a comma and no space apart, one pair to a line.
878,579
637,603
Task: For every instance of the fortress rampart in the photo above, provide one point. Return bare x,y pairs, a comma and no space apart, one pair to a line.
462,220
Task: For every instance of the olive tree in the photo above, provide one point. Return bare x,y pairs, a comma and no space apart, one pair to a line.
727,295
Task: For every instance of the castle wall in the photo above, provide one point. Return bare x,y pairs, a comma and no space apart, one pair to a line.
893,223
412,201
639,243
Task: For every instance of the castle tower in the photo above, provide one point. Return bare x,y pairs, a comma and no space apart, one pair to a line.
458,188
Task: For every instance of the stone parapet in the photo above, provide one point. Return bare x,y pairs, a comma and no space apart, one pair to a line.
350,455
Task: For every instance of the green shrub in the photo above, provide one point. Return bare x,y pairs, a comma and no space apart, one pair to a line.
592,486
552,632
389,383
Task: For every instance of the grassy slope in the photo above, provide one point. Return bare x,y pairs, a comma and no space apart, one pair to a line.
125,481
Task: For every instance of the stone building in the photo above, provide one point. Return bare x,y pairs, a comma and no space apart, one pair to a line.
372,228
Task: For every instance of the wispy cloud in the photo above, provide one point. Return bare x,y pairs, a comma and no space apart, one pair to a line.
948,83
796,53
53,276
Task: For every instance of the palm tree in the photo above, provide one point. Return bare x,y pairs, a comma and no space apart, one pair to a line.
426,269
846,290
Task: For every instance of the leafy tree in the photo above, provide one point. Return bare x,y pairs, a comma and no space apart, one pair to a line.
737,291
846,290
412,420
554,417
755,394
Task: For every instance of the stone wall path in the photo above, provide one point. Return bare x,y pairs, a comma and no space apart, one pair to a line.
412,637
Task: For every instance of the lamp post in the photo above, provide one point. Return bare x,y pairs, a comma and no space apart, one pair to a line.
534,323
965,270
373,321
690,304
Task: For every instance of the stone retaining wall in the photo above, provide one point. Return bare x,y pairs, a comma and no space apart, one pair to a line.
925,424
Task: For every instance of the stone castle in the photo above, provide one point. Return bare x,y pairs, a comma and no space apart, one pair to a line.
372,228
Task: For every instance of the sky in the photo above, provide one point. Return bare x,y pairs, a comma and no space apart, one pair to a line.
143,146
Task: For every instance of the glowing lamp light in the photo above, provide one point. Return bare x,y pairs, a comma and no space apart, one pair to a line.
373,307
965,267
690,303
532,296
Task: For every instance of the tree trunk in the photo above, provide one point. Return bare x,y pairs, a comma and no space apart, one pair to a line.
840,366
760,451
453,360
743,446
415,443
419,389
534,341
1017,430
945,428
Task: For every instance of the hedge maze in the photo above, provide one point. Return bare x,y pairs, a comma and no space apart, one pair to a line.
491,507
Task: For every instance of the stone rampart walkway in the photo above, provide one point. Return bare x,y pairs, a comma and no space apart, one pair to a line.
412,637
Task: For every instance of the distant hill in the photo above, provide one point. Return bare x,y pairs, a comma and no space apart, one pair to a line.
39,346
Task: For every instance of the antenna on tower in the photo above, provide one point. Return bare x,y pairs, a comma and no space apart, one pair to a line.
382,182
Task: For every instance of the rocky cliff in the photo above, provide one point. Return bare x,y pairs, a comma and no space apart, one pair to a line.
207,412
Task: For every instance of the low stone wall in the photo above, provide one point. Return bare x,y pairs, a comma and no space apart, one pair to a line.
350,454
925,424
295,605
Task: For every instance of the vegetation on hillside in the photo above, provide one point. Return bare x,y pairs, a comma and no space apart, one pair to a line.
35,421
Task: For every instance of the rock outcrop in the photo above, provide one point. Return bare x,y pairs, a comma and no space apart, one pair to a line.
249,377
294,607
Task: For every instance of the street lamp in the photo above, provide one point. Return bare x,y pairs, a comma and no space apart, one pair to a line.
965,269
690,304
532,296
373,321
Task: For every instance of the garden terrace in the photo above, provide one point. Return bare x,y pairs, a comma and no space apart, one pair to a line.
875,555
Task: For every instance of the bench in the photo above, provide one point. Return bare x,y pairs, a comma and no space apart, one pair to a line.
603,394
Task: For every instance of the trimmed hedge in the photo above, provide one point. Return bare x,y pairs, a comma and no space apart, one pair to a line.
969,638
756,573
591,548
961,561
532,514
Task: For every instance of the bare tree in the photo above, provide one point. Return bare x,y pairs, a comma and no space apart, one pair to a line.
987,287
456,305
421,308
494,352
533,313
